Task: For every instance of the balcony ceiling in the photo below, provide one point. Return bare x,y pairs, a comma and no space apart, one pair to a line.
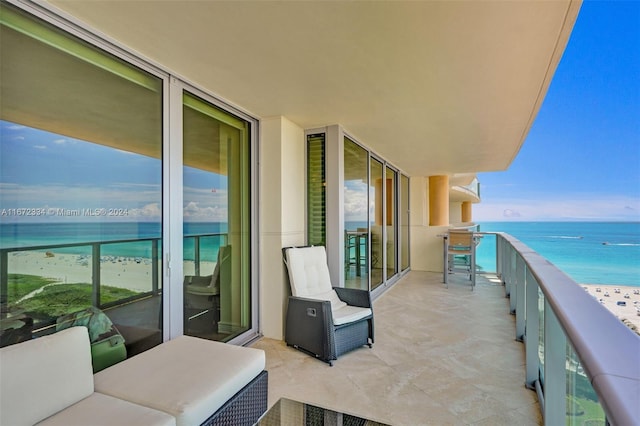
433,87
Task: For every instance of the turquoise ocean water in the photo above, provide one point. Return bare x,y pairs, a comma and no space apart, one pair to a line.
589,252
138,236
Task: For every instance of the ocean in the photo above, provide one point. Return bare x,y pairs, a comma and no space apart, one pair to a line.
589,252
139,236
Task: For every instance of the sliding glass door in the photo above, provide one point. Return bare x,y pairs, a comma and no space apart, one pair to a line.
391,222
356,200
81,176
216,206
376,207
89,158
371,222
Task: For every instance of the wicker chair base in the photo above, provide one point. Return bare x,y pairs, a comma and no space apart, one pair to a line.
245,407
351,336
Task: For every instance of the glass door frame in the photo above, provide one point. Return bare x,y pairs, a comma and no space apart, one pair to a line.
172,162
334,172
175,305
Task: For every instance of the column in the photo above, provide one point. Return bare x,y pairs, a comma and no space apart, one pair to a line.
467,211
438,200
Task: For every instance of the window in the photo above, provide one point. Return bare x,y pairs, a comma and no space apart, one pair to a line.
356,202
81,179
217,234
316,188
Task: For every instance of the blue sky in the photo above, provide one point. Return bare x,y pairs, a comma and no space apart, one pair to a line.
42,171
581,159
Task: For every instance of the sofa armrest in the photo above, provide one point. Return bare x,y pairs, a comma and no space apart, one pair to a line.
354,297
45,375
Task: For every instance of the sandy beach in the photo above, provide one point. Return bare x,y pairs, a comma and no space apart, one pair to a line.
117,271
611,295
135,274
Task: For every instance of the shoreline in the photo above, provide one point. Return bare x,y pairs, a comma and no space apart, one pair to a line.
610,295
133,273
136,274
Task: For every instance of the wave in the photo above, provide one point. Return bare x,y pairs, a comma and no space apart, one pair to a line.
566,237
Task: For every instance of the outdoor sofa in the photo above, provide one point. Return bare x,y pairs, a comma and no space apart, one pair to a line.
185,381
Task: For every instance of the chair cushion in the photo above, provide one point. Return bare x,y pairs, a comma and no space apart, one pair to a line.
332,297
42,376
348,314
308,271
309,277
187,377
104,410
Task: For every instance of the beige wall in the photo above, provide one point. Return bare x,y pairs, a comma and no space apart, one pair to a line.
455,212
282,215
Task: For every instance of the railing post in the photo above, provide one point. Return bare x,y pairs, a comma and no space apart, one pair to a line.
95,274
4,283
513,289
521,319
532,332
196,255
555,376
505,266
499,249
445,260
154,266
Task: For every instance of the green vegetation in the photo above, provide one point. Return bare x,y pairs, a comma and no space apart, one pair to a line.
20,285
58,299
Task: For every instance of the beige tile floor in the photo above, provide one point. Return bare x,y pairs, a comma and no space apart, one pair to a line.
442,356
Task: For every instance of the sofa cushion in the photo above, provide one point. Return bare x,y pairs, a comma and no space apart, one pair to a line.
187,377
104,410
43,376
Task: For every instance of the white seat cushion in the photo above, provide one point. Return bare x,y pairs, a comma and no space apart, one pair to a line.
105,410
309,277
349,314
187,377
308,271
42,376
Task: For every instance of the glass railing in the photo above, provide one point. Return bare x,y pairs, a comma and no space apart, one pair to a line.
583,362
49,281
474,187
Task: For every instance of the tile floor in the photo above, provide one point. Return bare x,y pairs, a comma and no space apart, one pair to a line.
442,356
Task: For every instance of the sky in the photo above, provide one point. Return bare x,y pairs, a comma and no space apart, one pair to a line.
581,158
45,177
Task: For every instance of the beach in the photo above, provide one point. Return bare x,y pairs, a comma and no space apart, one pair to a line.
610,295
133,273
136,274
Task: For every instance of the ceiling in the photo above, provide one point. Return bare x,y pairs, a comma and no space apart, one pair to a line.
433,87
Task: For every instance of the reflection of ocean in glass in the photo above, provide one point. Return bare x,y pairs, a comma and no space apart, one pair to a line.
43,234
589,252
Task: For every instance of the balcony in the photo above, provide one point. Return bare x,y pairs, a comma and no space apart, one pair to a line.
441,356
453,356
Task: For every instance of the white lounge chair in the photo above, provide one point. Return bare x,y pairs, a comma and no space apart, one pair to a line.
322,320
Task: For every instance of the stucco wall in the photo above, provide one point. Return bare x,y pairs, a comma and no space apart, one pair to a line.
282,216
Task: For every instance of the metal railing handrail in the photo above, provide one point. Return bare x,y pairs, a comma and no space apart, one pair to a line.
608,350
95,264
